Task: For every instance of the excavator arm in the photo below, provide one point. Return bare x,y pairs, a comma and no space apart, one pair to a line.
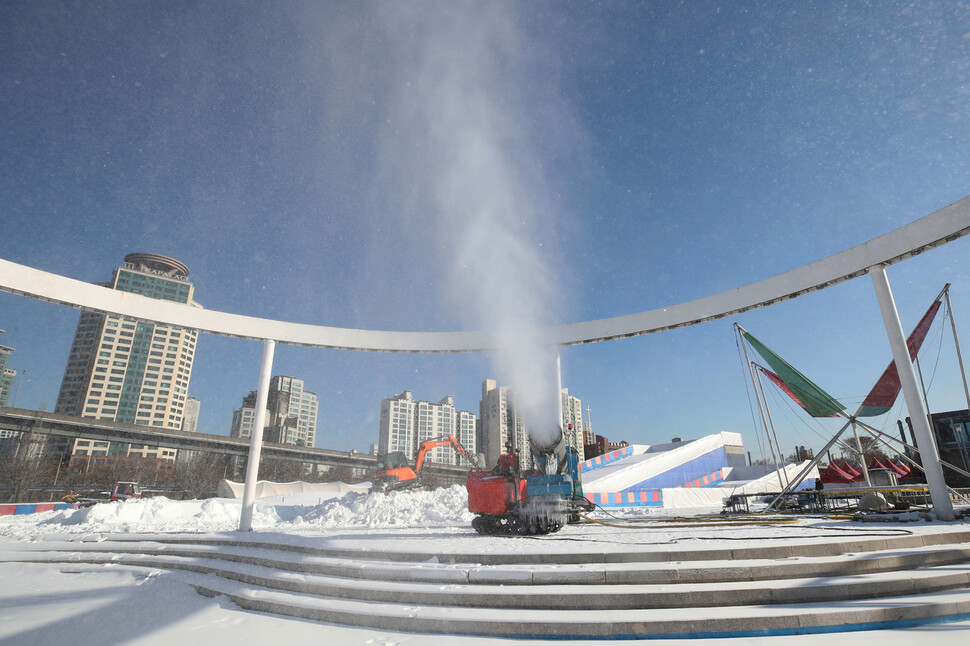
395,474
427,445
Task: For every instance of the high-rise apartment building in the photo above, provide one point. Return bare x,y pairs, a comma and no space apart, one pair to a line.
190,416
127,370
398,423
291,414
500,425
7,375
466,431
244,417
405,423
302,407
572,422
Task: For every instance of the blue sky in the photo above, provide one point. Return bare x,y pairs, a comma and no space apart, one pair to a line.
328,162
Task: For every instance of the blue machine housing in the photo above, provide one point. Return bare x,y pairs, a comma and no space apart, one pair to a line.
558,485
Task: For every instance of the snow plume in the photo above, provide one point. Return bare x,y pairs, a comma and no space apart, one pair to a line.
468,115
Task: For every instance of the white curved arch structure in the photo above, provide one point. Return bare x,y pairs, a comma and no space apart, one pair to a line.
935,229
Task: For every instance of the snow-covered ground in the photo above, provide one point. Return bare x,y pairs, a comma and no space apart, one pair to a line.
80,604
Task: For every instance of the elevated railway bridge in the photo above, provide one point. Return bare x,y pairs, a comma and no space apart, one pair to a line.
18,420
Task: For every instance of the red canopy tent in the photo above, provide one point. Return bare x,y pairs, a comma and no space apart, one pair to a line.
855,473
901,469
876,464
835,475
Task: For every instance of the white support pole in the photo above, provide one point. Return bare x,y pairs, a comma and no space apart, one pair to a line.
914,401
566,439
256,439
559,390
862,455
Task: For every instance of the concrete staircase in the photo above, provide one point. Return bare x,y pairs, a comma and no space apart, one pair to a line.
789,588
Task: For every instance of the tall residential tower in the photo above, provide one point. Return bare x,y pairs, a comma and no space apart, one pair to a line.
405,423
127,370
291,414
7,375
572,422
501,426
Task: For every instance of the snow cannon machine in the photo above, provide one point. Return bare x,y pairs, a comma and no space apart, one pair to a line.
508,500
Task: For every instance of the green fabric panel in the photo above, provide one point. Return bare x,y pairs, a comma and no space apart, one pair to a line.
816,401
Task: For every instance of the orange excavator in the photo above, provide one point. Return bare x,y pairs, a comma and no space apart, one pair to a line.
395,474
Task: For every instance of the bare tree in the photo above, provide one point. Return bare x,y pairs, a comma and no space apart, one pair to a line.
337,474
871,450
278,470
96,474
197,473
27,463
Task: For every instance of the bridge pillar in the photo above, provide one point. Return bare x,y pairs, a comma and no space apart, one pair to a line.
256,438
914,400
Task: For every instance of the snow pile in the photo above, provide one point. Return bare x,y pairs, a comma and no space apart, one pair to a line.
440,507
157,515
291,512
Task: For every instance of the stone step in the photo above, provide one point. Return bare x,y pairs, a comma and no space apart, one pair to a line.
696,572
714,621
791,588
493,550
580,596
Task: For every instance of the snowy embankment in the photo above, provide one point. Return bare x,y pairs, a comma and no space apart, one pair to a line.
291,512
